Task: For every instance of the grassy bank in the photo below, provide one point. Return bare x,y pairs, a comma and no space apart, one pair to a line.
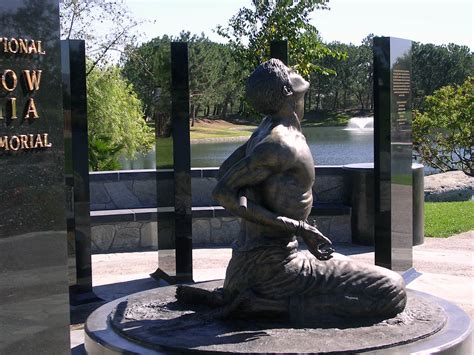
164,152
326,119
338,118
208,129
215,128
203,129
443,219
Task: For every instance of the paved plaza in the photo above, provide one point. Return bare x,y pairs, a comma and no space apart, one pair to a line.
443,268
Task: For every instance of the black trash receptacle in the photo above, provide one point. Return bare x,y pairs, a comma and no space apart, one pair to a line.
418,204
360,180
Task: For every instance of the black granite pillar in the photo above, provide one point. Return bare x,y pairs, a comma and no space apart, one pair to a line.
393,153
279,50
175,253
73,57
34,299
182,160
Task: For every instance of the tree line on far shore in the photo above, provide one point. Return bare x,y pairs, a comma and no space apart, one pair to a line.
121,97
217,77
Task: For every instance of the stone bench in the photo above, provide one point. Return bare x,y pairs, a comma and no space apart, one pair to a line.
137,228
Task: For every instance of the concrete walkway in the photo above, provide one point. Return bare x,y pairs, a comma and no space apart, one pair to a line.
445,268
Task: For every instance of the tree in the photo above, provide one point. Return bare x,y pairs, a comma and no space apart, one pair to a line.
351,84
148,68
325,89
251,30
115,119
215,79
438,66
443,132
79,20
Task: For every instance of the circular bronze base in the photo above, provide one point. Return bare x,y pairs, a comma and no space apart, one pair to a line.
152,321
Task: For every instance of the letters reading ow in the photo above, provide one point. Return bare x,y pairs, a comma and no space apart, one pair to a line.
9,82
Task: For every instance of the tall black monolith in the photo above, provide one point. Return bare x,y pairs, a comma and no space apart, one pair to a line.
279,50
393,153
77,171
175,233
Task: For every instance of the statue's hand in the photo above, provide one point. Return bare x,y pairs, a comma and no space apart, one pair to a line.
318,244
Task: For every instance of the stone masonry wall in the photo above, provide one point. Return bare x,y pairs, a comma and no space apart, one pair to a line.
121,236
136,189
142,235
128,189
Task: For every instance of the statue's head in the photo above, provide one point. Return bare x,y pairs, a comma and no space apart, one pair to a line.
272,84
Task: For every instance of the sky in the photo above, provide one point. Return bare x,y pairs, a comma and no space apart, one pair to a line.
347,21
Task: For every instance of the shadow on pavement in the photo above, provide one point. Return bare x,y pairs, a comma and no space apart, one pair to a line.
109,292
78,350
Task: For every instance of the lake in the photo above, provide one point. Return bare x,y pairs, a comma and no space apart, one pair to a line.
329,145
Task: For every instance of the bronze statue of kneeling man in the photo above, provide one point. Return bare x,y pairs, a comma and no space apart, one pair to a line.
267,182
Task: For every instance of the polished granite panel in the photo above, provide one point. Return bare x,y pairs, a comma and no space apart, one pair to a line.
34,302
393,153
279,50
178,239
182,160
77,169
165,197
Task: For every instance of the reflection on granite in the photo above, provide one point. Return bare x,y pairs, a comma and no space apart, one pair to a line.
182,226
393,153
77,166
34,297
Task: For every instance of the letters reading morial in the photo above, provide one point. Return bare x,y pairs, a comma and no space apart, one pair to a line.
14,143
4,143
25,142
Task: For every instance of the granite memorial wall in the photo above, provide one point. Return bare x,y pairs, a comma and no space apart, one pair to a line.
34,301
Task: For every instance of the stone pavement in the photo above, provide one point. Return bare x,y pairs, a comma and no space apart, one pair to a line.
444,268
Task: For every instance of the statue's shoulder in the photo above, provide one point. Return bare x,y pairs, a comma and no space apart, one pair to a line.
278,143
274,136
286,135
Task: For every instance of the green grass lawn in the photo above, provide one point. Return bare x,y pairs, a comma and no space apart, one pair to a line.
164,153
208,129
218,131
443,219
326,119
